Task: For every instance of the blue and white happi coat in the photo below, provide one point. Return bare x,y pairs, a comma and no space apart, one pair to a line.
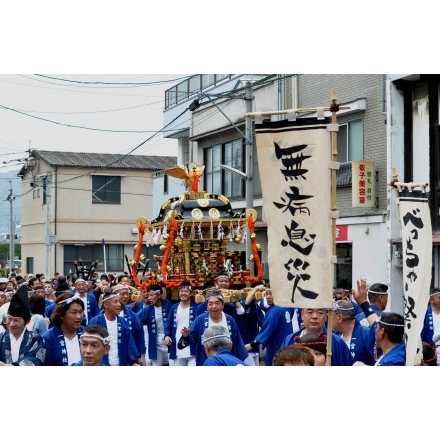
32,350
56,351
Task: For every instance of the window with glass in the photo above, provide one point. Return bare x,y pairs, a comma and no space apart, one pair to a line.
221,181
44,191
29,265
351,141
88,254
186,156
165,183
106,189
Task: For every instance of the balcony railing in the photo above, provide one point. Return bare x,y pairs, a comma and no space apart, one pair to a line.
192,86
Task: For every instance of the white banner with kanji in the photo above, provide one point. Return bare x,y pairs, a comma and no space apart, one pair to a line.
415,223
293,160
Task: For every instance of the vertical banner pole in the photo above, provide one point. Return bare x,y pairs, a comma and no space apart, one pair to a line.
333,108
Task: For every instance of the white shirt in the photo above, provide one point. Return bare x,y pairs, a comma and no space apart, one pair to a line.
223,322
84,300
112,328
15,346
73,351
182,320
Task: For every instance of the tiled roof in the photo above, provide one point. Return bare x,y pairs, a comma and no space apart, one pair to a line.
99,160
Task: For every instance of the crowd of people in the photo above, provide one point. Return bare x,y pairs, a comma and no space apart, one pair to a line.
107,321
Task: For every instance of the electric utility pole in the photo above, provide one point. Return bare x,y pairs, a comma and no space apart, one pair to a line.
11,198
249,161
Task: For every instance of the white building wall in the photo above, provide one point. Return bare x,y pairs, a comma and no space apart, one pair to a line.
368,235
421,134
420,168
78,220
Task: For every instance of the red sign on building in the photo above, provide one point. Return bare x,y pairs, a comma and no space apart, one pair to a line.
341,232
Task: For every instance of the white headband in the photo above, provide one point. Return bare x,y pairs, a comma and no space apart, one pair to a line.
69,300
215,294
377,293
121,289
337,307
157,292
388,323
112,295
105,341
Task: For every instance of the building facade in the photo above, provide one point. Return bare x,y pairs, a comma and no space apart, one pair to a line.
206,114
414,153
84,206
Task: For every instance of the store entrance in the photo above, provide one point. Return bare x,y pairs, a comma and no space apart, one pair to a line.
344,265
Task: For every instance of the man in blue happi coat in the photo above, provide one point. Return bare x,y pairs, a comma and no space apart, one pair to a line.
124,352
182,314
133,321
359,339
153,318
431,324
94,345
278,322
389,331
19,346
314,320
91,308
377,299
217,343
214,316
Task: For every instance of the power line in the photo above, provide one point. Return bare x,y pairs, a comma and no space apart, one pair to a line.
74,126
149,83
127,154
